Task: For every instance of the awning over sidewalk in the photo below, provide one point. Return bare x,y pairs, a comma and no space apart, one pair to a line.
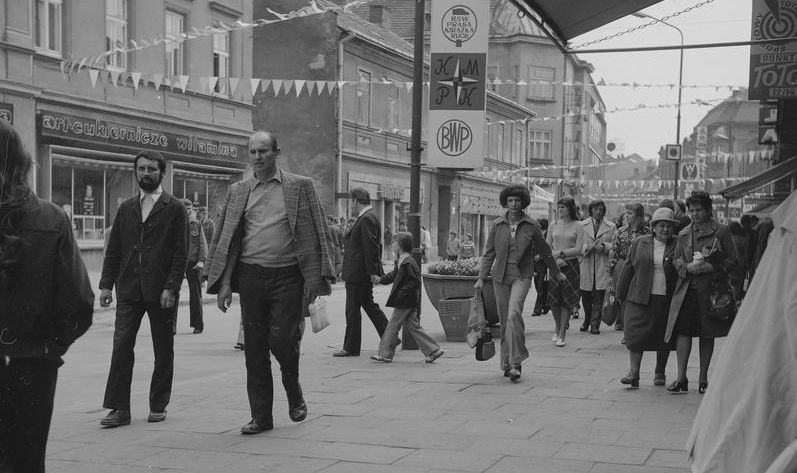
571,18
777,172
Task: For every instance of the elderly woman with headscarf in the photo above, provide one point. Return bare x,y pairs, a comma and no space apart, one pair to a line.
646,284
705,255
513,241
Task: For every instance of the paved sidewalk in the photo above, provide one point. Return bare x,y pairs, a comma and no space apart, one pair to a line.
568,413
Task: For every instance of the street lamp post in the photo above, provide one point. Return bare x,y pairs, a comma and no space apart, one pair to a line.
680,88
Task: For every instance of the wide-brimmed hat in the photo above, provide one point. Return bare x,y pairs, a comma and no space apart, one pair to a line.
663,213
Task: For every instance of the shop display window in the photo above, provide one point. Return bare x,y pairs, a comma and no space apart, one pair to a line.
90,195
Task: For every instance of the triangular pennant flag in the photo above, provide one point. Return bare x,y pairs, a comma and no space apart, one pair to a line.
104,76
233,81
277,85
254,83
93,73
81,65
203,84
408,85
299,86
264,85
114,77
286,85
183,83
322,85
212,81
157,80
331,85
135,77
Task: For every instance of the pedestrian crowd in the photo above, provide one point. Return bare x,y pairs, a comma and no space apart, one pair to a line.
675,272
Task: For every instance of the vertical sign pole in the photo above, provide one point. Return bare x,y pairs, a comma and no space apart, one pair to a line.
414,217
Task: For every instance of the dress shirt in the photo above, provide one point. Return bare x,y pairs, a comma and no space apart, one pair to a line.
267,238
147,201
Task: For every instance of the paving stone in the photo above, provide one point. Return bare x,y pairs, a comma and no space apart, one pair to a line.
539,465
449,460
518,447
191,460
615,468
669,458
281,464
352,467
603,453
432,440
98,453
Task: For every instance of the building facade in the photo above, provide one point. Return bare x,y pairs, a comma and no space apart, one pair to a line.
355,132
85,100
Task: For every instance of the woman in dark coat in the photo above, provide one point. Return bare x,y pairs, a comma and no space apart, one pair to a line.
46,303
646,284
705,255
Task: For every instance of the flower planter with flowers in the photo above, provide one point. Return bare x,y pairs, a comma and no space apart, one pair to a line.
445,279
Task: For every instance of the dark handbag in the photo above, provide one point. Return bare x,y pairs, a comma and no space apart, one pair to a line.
612,309
485,346
723,303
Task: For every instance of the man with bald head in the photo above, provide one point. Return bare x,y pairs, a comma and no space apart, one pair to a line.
273,247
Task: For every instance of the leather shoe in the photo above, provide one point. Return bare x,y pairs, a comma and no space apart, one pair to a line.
255,427
116,418
239,346
156,416
660,379
595,331
584,328
514,372
297,410
341,353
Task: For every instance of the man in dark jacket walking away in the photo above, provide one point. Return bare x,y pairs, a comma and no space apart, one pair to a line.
145,259
362,267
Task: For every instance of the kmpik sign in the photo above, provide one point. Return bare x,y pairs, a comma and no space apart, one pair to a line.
457,93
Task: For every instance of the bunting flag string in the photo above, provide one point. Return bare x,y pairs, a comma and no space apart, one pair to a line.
199,32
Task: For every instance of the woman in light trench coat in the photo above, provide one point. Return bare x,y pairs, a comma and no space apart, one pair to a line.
595,243
691,301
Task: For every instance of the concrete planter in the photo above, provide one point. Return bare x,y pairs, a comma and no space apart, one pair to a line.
442,286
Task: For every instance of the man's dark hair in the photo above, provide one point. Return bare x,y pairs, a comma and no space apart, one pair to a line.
361,195
152,156
594,205
681,205
667,203
404,240
515,190
735,227
702,199
543,223
571,206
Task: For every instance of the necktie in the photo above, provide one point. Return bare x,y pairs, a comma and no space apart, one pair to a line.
146,207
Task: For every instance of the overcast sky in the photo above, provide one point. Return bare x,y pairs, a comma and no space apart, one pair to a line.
644,131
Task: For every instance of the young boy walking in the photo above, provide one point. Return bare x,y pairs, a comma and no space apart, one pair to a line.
405,298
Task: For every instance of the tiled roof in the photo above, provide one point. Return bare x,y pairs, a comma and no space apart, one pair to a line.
356,25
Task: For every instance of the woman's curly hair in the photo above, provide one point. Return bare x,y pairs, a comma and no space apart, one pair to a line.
14,191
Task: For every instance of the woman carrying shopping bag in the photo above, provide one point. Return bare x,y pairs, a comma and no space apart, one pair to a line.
513,241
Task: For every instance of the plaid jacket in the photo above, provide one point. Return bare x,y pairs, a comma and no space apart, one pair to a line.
308,224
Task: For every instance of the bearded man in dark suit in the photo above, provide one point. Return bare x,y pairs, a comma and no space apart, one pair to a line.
362,267
145,259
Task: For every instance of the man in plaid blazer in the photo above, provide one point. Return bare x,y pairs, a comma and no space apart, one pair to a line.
272,246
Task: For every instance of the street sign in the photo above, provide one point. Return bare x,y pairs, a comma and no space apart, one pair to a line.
457,91
690,172
702,138
773,66
673,152
768,123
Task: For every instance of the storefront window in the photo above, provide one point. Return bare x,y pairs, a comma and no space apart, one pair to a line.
203,190
90,195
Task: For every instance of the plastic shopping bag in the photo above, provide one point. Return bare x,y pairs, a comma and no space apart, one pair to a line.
476,320
318,314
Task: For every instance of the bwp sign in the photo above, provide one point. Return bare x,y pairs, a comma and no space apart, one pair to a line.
457,83
773,67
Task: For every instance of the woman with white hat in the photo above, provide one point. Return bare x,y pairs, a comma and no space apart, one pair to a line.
646,284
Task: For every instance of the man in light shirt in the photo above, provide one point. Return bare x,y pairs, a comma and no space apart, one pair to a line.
273,247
